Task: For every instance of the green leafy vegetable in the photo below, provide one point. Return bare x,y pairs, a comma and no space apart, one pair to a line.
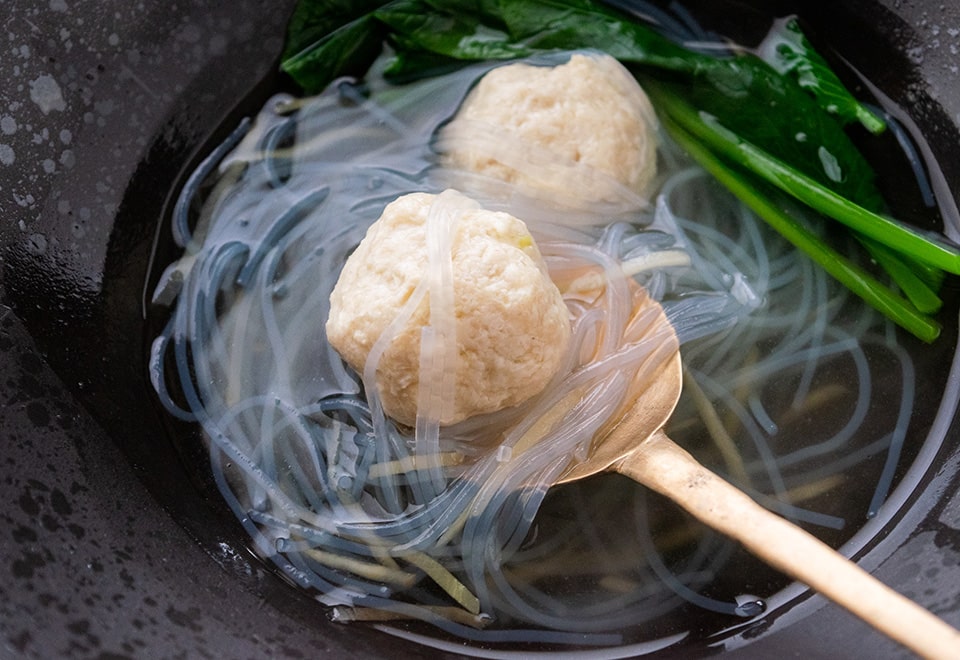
458,36
331,38
858,280
757,123
556,24
924,247
349,49
787,50
750,100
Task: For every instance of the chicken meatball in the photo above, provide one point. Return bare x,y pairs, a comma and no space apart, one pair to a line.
580,132
438,273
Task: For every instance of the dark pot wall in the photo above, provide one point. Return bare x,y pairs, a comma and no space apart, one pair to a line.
101,105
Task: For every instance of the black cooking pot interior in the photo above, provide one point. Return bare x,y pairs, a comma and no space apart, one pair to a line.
113,545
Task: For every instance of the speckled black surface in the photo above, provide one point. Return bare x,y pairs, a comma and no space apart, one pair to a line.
85,574
102,102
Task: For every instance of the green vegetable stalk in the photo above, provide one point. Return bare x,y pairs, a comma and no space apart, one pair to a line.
859,281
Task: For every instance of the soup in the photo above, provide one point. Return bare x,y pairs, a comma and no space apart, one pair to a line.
788,380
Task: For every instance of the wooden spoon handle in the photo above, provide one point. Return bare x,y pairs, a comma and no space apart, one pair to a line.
662,465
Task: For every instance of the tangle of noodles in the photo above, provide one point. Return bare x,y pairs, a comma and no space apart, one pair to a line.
448,525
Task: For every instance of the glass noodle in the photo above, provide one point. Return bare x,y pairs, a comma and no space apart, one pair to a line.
445,524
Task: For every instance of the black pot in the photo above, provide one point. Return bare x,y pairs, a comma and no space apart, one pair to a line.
108,552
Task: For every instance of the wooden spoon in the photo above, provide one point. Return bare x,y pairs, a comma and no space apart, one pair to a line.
638,448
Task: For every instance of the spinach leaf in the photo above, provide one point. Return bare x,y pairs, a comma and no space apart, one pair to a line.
487,11
572,24
788,51
750,99
409,65
349,49
313,20
413,25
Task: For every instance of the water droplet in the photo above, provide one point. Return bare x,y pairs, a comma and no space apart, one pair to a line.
8,125
831,166
748,605
45,92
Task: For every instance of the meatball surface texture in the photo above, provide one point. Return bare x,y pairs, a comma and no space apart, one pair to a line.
583,131
438,265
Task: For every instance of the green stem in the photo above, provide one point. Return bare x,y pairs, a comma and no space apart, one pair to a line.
922,247
855,278
905,275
